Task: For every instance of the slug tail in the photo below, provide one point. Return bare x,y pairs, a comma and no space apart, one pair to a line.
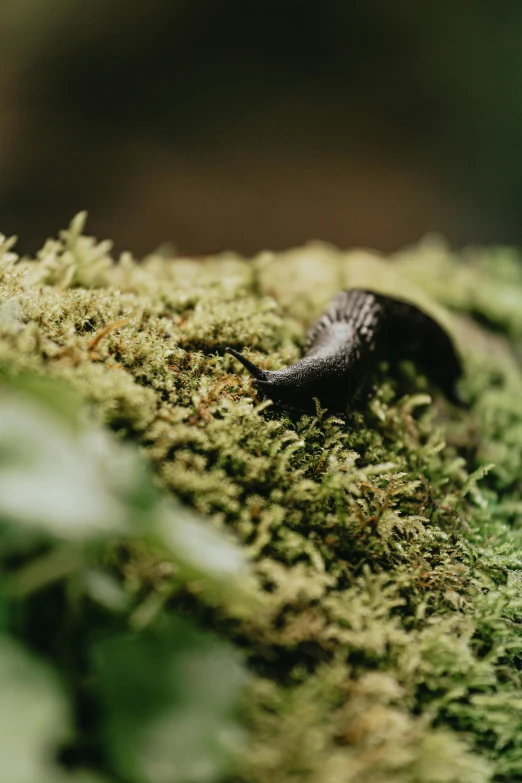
256,372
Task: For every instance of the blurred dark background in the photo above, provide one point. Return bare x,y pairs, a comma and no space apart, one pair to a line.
245,125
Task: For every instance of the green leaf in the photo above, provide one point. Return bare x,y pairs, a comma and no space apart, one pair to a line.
169,698
52,479
34,717
58,397
208,556
198,547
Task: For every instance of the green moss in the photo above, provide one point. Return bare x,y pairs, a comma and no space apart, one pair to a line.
386,545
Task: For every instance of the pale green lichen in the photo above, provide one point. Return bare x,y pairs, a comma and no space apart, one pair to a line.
389,645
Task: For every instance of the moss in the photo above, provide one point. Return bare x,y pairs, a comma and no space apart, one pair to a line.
386,544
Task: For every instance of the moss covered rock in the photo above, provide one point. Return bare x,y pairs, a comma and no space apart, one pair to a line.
385,545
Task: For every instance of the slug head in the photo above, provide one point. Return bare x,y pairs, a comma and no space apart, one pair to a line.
297,385
280,385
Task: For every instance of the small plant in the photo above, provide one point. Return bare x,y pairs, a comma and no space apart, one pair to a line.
94,673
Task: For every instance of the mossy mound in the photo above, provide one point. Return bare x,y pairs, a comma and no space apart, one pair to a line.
386,546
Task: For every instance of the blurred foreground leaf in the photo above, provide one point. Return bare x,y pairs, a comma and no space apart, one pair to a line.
169,699
48,477
34,717
73,500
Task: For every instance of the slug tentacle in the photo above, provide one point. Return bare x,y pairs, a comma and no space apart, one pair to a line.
343,347
258,374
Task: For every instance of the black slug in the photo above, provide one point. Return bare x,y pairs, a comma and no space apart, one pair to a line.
359,330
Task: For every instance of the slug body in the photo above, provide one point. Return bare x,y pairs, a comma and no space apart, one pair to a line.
359,330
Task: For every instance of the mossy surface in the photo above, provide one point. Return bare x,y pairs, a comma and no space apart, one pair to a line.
386,546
